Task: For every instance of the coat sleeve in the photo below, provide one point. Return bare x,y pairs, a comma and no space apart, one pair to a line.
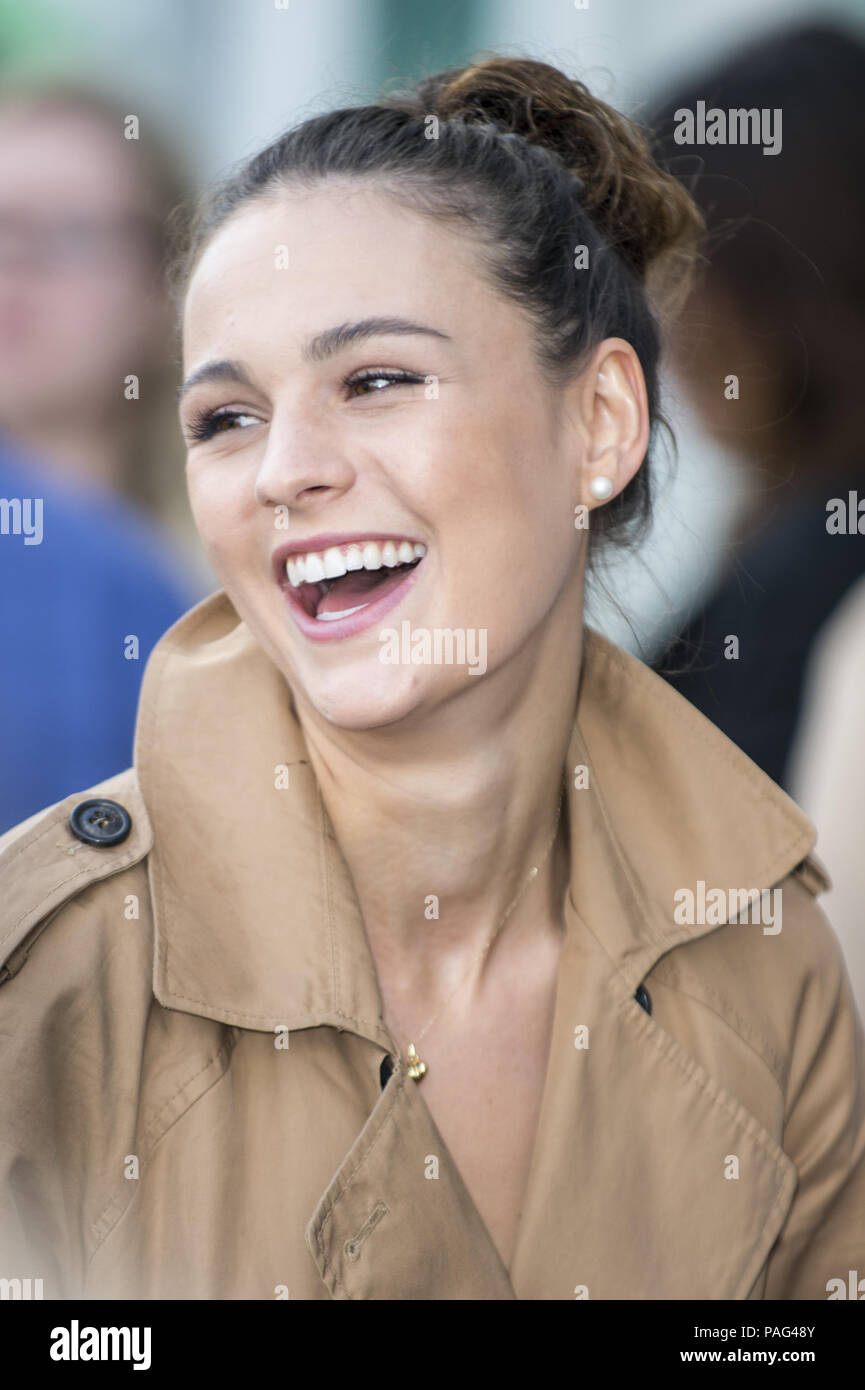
823,1239
41,1063
35,1231
75,1005
75,993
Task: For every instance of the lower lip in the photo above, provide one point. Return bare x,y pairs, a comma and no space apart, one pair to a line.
367,617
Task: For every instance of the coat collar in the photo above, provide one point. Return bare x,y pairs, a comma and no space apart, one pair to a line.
256,920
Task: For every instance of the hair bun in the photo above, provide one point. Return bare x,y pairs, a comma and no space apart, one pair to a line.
638,207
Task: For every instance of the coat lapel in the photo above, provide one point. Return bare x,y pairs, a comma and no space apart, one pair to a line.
635,1138
397,1221
633,1141
257,923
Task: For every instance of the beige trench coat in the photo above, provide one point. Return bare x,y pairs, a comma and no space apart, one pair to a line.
159,1139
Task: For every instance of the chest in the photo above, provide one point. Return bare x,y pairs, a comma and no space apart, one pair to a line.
484,1088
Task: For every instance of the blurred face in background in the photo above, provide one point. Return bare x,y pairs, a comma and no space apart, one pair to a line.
80,306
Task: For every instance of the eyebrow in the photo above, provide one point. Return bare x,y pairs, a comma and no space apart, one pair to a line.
316,349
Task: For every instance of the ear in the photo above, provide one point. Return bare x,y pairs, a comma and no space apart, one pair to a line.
614,414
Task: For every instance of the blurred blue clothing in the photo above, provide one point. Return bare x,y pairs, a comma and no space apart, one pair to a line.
69,602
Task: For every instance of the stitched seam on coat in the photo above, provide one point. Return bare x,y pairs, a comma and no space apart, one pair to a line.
113,866
25,843
148,1151
368,1029
690,716
673,982
149,722
20,953
354,1244
332,1202
362,1157
671,1049
774,875
324,869
669,1046
621,856
226,1049
163,947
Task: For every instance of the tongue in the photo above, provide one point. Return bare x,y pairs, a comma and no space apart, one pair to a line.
360,586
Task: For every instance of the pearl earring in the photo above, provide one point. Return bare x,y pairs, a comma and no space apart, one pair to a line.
601,487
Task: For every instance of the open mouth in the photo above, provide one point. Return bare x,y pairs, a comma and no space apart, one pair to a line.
342,580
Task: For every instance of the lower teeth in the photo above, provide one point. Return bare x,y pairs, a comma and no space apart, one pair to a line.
324,585
346,613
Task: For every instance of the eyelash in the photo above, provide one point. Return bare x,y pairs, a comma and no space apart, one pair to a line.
204,424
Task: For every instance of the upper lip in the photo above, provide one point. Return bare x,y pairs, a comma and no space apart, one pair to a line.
331,538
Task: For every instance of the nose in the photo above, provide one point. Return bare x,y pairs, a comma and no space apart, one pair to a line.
302,467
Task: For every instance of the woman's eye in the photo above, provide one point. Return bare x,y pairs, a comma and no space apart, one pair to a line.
212,422
209,423
373,379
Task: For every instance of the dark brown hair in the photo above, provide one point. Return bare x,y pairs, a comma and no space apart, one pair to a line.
532,166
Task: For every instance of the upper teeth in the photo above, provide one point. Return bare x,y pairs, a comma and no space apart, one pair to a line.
317,565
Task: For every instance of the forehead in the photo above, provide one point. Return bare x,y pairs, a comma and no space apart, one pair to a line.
300,260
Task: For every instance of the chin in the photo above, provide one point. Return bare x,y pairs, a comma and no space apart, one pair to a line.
371,698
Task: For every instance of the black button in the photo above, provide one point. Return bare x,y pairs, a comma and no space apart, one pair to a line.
644,998
99,822
385,1071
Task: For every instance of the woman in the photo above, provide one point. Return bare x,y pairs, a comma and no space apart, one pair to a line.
397,966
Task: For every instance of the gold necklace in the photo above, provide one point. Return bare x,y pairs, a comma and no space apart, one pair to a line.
418,1069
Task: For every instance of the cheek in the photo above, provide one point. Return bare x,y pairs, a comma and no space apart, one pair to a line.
460,480
224,513
513,535
499,496
500,452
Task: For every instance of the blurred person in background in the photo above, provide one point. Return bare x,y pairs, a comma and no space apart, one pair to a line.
91,468
780,307
827,770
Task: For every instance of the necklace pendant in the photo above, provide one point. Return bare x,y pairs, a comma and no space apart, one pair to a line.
416,1068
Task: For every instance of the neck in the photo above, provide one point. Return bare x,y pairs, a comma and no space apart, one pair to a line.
451,816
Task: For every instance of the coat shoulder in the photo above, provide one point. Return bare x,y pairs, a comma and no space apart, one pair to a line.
86,1079
73,849
768,980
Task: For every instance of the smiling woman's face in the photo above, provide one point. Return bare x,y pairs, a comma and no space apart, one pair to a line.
468,460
